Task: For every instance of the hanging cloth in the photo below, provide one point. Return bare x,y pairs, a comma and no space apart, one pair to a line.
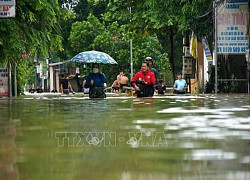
193,45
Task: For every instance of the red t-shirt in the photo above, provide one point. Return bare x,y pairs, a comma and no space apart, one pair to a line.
148,77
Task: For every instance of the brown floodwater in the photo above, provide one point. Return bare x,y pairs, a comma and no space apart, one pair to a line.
123,138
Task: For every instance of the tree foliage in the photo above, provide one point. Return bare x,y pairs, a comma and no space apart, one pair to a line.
34,31
83,33
167,19
61,28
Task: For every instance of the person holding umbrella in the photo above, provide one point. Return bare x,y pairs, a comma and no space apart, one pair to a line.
144,81
95,82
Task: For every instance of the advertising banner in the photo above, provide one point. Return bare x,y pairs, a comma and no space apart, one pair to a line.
232,19
206,49
7,2
7,11
4,90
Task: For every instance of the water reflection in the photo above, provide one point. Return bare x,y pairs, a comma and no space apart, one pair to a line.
210,154
167,137
8,149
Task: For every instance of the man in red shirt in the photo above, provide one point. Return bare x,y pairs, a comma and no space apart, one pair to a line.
144,81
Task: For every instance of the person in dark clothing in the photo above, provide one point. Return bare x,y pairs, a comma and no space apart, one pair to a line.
150,61
144,81
32,90
160,88
78,82
39,89
65,86
96,83
54,91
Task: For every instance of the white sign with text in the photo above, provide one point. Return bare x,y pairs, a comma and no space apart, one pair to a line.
232,21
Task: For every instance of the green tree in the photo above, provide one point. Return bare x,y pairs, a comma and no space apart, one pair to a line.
166,19
115,41
34,30
83,33
65,21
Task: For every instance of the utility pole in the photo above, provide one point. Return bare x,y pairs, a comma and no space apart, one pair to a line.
10,79
15,80
248,70
248,51
131,47
215,48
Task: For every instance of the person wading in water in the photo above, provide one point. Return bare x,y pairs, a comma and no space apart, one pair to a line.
144,81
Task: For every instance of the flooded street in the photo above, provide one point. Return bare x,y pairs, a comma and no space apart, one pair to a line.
168,137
